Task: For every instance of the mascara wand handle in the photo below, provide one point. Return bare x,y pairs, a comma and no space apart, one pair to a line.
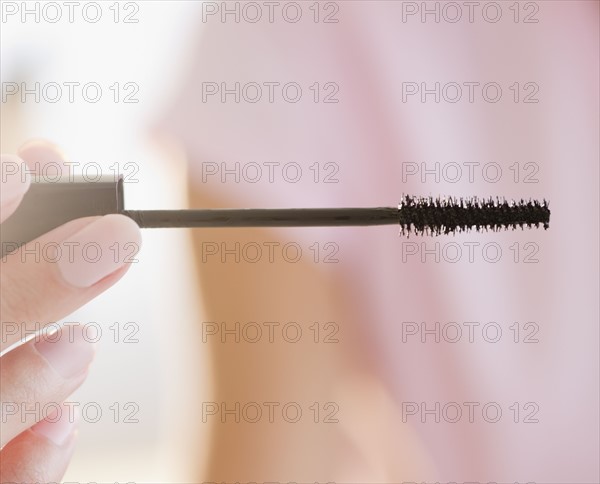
264,217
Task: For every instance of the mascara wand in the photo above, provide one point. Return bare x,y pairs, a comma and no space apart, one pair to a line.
414,216
47,205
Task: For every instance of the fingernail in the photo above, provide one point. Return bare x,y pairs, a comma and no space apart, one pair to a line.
58,427
67,351
98,250
15,178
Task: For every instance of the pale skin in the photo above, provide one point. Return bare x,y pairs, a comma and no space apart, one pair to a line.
37,446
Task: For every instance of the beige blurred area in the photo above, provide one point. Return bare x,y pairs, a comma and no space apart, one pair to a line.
366,443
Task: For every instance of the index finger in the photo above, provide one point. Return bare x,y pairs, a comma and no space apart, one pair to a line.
34,157
14,183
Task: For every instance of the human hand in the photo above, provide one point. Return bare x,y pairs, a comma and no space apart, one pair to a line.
41,283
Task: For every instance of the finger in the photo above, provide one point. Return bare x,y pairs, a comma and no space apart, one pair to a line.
39,375
44,158
42,453
36,157
14,182
47,279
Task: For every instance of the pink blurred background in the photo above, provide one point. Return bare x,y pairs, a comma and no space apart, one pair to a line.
370,133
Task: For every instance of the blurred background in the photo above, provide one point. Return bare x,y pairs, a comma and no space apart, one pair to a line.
374,378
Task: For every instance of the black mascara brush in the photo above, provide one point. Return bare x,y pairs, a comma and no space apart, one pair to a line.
48,205
414,216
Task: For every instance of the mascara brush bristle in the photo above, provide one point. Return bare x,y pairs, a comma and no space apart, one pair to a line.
438,216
